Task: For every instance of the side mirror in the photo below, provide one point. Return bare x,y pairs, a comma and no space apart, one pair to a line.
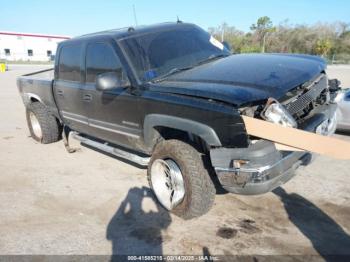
107,81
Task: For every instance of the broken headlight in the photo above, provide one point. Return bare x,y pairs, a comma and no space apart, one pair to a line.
276,113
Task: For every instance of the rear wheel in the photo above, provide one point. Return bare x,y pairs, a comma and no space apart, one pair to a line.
43,126
179,180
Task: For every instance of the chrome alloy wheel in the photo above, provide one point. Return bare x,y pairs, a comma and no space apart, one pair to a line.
35,125
167,182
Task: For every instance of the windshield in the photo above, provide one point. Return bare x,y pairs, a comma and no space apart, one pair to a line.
162,53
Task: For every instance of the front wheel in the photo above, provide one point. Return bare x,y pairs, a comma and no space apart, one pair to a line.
179,179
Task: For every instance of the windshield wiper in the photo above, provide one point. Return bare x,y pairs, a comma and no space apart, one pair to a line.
211,58
171,72
176,69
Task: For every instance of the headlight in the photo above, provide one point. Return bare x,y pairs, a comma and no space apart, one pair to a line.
277,114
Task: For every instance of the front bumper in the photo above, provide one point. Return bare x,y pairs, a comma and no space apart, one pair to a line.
265,167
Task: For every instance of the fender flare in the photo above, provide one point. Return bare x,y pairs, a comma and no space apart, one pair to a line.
203,131
27,99
28,96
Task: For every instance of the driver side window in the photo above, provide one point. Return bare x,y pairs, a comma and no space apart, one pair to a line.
101,58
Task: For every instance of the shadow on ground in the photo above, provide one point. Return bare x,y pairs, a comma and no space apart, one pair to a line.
326,236
343,132
133,231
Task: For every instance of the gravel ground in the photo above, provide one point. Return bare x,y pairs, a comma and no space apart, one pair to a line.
52,202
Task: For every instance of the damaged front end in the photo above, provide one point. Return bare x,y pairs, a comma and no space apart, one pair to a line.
261,166
257,169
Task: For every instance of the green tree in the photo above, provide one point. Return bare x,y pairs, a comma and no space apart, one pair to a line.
262,28
323,46
331,40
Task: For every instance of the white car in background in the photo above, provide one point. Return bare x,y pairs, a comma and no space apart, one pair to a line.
343,112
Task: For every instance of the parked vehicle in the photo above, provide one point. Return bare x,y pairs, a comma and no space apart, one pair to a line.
171,97
343,112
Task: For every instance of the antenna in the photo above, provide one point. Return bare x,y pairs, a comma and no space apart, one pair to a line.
178,20
135,18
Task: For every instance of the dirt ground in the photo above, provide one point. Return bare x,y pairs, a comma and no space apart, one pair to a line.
52,202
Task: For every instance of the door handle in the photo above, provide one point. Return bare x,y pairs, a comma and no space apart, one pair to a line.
60,93
87,97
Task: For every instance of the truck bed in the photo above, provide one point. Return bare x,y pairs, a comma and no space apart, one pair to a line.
37,86
46,74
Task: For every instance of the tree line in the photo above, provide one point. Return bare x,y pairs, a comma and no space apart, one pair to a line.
329,40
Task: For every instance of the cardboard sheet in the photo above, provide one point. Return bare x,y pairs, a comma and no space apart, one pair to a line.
295,139
287,148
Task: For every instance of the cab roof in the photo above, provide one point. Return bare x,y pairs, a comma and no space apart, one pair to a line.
130,31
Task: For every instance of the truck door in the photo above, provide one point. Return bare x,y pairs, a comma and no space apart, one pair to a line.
68,87
112,114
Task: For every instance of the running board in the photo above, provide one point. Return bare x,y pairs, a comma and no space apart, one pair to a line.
142,161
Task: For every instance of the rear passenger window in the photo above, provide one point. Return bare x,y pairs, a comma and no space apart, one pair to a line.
69,63
101,58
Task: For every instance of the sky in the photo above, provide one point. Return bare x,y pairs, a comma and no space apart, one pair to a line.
77,17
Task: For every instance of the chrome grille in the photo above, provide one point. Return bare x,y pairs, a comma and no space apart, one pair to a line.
304,100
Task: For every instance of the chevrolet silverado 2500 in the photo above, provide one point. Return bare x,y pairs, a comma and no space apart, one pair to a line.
171,97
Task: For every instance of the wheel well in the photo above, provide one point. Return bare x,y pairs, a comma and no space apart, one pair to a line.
59,123
167,133
33,100
195,141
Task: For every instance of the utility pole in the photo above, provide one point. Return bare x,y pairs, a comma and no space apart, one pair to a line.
264,42
222,33
263,46
135,18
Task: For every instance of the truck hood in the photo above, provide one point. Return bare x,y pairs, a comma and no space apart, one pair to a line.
240,79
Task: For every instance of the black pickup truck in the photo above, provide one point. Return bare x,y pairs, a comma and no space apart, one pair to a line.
171,97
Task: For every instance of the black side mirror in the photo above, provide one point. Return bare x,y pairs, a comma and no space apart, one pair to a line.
109,80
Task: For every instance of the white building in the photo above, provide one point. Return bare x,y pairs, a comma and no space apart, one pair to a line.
28,47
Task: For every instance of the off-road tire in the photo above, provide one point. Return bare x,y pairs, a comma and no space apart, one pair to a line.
50,128
199,188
